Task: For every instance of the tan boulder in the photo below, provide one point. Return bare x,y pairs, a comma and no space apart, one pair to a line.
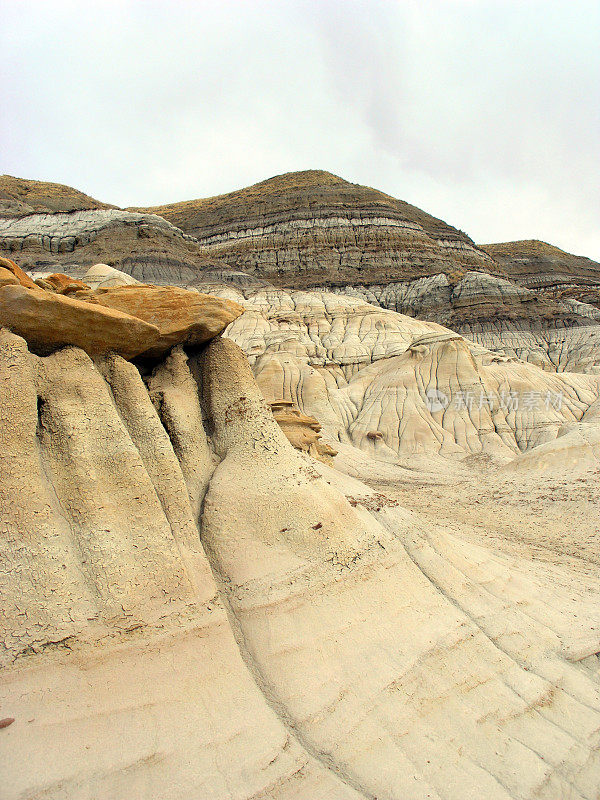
22,277
48,321
103,276
8,278
302,431
182,316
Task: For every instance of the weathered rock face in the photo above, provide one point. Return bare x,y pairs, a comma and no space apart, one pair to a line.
101,276
181,316
314,229
8,278
62,284
229,618
395,386
557,334
211,612
144,245
21,277
49,321
302,431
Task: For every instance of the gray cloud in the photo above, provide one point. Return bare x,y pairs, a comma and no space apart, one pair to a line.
486,114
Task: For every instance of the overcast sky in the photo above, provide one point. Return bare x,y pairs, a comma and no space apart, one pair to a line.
483,113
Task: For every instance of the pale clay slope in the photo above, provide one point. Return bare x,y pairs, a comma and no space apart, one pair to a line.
345,651
369,376
499,315
143,692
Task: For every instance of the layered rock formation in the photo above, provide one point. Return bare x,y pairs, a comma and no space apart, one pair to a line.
144,245
314,229
195,605
558,334
539,265
395,386
131,320
54,228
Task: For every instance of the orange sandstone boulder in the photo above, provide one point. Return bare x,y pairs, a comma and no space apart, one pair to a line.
63,284
47,321
182,316
22,277
8,278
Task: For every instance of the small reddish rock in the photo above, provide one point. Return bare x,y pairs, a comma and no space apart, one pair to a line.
65,284
4,723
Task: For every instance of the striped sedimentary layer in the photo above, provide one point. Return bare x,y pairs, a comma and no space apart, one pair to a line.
63,232
144,245
313,227
539,265
557,334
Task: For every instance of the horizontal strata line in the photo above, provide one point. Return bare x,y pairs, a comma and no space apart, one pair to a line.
308,224
329,223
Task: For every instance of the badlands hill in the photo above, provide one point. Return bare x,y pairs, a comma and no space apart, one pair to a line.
275,543
540,265
316,229
53,227
19,197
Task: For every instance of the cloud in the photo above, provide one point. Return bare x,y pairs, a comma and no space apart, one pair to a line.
483,113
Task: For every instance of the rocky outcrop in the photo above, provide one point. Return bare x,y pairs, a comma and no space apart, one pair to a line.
144,245
61,284
101,276
215,614
181,316
195,605
302,431
398,387
313,229
18,274
49,321
64,232
557,334
8,278
130,320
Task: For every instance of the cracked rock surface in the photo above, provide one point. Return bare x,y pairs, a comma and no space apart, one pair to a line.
193,608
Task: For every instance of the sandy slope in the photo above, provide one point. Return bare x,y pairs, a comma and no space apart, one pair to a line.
320,639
